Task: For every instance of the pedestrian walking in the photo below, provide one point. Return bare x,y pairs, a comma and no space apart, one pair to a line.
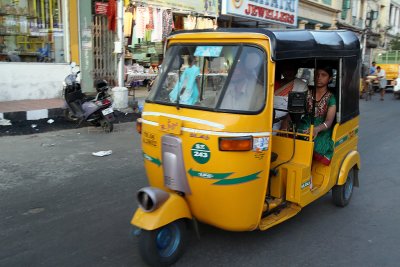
381,76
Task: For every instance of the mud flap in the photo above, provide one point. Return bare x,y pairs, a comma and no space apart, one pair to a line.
174,208
351,160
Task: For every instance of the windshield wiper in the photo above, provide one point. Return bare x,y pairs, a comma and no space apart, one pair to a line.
202,79
179,91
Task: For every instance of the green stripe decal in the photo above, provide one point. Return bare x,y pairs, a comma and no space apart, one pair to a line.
239,180
151,159
209,175
345,138
341,140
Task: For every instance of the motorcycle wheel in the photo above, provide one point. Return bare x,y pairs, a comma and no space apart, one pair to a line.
165,245
107,126
69,116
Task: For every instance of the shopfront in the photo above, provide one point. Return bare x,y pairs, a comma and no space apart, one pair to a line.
148,23
34,48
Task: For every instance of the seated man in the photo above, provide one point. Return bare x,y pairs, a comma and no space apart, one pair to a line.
284,85
246,89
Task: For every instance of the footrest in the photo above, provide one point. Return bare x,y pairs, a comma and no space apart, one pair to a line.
278,217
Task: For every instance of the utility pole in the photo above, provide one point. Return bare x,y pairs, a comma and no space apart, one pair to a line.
120,50
120,93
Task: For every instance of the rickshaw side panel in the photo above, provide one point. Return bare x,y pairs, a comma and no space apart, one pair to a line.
351,160
345,137
293,175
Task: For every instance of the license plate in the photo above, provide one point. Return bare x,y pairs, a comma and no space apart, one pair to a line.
170,125
107,111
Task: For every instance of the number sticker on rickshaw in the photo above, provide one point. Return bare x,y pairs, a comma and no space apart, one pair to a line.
201,153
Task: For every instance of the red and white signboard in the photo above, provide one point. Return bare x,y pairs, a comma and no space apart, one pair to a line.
101,8
274,11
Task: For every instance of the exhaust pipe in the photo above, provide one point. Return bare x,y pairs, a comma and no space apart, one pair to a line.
150,198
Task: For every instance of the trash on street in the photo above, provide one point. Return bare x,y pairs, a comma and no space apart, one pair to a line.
102,153
4,122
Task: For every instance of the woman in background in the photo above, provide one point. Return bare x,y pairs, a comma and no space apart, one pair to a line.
188,85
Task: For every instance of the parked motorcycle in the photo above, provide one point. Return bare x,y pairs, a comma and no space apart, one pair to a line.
80,108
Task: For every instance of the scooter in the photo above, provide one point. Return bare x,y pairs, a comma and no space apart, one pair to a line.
80,108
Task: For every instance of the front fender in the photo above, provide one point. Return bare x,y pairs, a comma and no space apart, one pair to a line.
352,159
175,207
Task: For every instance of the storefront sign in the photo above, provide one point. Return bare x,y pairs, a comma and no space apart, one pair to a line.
273,11
206,7
101,8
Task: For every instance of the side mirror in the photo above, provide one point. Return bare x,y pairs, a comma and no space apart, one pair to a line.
297,103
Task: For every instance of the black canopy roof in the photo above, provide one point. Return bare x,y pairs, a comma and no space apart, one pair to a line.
291,44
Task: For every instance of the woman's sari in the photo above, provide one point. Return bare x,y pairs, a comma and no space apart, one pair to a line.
323,143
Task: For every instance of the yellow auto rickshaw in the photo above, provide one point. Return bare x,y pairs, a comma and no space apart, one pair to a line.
212,158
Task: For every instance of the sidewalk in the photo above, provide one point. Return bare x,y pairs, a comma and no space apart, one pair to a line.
23,110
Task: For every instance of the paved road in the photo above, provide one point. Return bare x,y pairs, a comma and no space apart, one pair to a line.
61,206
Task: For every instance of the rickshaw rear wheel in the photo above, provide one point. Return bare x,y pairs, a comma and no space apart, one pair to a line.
165,245
341,194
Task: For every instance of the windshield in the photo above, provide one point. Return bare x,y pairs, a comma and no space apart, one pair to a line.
228,78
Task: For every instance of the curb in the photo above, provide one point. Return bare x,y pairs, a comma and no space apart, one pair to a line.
32,115
26,127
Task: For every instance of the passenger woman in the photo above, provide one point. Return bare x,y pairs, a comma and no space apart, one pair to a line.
325,111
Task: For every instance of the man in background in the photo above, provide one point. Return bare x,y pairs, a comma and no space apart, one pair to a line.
372,69
381,76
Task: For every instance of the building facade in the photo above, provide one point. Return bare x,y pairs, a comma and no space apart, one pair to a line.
318,14
38,39
35,48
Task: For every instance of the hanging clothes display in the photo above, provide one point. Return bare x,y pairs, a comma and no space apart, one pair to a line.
142,19
178,23
189,22
150,22
112,15
156,35
128,22
167,23
149,25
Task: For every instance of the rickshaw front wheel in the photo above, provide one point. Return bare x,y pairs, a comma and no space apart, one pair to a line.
165,245
341,194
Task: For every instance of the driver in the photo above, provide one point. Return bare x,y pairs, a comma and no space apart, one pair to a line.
245,91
